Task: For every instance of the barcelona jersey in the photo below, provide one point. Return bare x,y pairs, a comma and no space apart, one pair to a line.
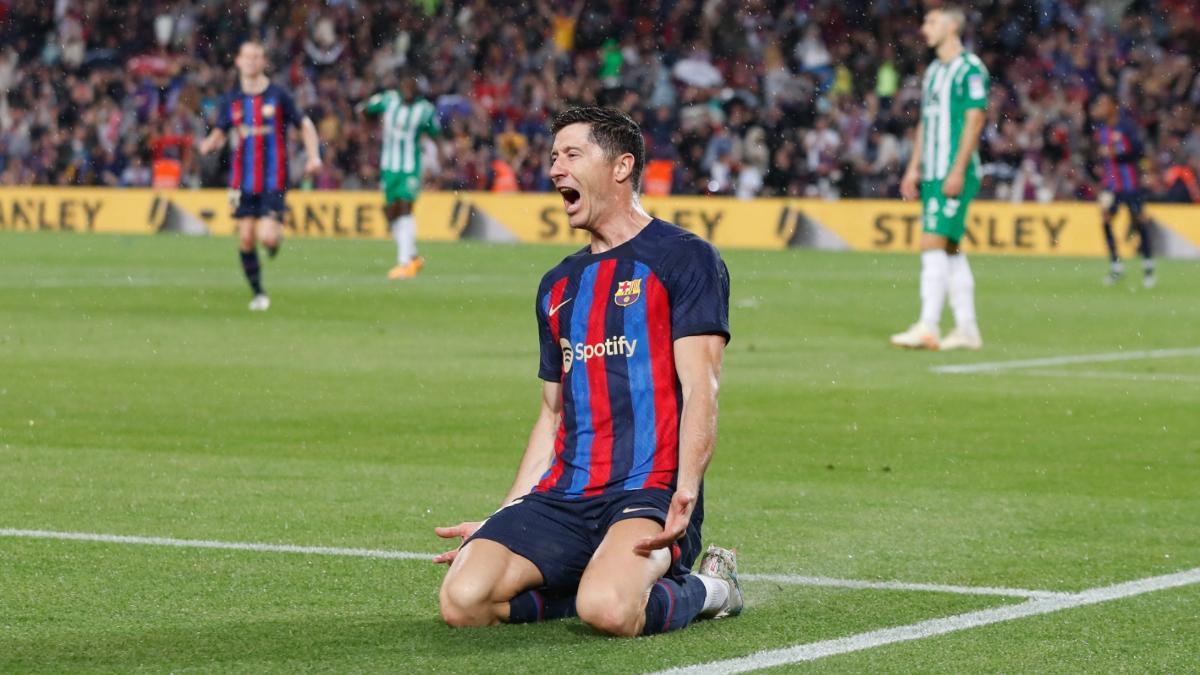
260,125
1119,169
607,324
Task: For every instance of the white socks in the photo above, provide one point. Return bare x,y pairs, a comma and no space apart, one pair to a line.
962,293
935,272
404,230
716,593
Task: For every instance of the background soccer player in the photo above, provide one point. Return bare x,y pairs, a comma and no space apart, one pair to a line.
946,164
1118,148
259,113
604,515
405,117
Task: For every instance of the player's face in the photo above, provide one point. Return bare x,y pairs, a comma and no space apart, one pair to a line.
582,174
408,88
936,28
251,61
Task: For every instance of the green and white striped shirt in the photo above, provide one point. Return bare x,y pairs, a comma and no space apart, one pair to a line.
402,125
949,90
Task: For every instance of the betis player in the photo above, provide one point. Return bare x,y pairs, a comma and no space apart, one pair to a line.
404,118
945,163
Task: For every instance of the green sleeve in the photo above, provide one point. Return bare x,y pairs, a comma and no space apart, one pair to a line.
376,104
975,86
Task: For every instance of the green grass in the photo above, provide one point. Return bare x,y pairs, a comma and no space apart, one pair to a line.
139,396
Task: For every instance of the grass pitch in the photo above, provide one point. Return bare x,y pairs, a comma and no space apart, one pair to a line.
138,396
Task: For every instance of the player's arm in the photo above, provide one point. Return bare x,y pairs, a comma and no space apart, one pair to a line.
698,364
539,451
908,184
312,145
214,140
968,142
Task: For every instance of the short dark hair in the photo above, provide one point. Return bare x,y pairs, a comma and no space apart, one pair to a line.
615,132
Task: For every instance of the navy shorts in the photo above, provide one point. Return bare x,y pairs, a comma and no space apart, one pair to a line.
259,205
559,535
1132,199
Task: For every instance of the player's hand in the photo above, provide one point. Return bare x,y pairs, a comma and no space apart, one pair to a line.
908,186
206,146
313,166
461,530
679,514
953,185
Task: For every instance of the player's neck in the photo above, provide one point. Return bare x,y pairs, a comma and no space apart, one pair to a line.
622,225
254,85
950,49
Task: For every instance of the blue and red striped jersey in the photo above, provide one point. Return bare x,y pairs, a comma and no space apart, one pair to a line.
608,323
260,122
1120,167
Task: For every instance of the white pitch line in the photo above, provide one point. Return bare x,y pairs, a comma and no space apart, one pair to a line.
410,555
933,627
992,366
899,586
205,543
1111,375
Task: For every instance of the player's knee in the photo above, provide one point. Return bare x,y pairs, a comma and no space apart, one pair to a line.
464,604
609,614
246,241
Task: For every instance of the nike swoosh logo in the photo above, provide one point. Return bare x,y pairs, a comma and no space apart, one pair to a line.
640,508
554,310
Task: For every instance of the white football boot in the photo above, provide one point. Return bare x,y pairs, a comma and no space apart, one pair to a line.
721,563
962,339
918,336
260,303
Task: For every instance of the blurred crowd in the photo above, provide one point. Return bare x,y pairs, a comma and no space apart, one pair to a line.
740,97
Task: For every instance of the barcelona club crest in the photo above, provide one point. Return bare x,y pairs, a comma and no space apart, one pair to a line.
628,292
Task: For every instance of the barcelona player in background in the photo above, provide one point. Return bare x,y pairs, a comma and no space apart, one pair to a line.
603,518
259,113
1118,149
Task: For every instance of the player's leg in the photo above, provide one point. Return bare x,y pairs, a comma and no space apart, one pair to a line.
271,224
251,266
1108,209
619,583
522,565
960,282
935,270
396,211
484,579
1141,222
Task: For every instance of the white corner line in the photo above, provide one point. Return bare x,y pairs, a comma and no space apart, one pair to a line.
900,586
934,627
791,579
994,366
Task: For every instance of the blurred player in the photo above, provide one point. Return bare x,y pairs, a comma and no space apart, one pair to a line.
1118,149
259,113
946,164
405,117
604,516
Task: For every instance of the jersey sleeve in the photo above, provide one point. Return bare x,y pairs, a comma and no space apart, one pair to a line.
224,114
974,87
291,113
550,364
376,104
697,282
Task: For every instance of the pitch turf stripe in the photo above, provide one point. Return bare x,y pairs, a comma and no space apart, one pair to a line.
1111,375
934,627
992,366
899,586
204,543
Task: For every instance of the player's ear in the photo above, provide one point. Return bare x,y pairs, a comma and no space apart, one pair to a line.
623,167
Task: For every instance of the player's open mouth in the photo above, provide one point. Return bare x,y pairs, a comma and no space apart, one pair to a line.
571,199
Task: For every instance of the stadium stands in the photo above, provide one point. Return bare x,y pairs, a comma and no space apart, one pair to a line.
764,97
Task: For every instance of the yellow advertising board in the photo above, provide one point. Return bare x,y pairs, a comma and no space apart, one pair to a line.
861,225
